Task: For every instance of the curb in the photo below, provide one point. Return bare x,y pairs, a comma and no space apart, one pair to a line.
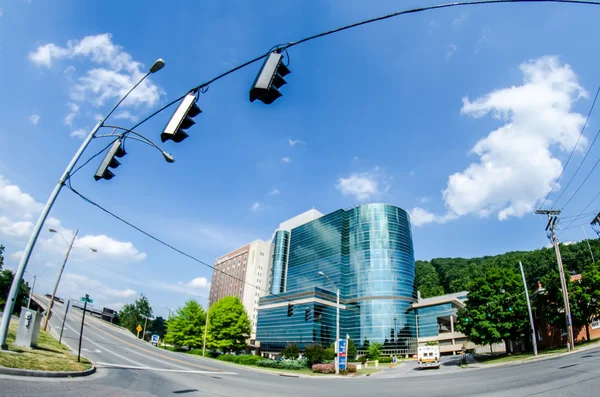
46,374
534,359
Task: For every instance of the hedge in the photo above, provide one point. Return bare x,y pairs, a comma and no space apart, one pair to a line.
284,364
244,359
330,369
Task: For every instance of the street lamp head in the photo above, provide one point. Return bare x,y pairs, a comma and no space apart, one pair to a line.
158,65
321,274
168,157
52,231
93,249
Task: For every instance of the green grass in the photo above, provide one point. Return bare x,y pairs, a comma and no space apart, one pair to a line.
504,358
48,356
367,371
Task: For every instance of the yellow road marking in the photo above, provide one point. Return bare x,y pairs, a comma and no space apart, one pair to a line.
151,352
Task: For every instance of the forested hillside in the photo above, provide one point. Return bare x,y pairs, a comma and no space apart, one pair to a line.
447,275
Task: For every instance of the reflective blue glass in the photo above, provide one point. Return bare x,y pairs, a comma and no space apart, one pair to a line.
279,261
367,253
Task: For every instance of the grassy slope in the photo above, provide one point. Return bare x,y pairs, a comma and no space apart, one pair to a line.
48,356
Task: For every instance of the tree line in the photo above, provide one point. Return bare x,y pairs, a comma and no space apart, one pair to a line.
496,309
6,278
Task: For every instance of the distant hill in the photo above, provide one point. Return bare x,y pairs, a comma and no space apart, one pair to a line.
447,275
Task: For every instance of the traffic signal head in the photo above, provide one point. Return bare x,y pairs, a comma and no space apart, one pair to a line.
110,161
290,310
307,314
181,120
270,78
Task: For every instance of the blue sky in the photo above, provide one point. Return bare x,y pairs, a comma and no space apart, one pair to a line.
464,117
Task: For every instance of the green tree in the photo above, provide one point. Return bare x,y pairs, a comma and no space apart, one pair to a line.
134,314
428,280
158,327
291,351
584,297
495,310
6,279
352,352
186,327
228,325
315,354
374,350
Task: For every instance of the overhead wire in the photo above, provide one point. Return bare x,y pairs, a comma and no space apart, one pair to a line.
571,155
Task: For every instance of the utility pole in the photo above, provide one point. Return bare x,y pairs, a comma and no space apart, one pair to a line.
51,304
82,321
552,218
533,339
144,333
31,291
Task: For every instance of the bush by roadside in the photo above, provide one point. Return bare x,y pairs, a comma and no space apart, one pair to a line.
330,369
244,359
285,364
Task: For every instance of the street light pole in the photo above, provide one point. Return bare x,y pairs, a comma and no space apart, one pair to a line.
533,340
395,337
51,304
337,323
14,288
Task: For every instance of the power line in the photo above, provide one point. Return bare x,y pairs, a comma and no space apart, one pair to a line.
585,208
571,155
584,181
177,249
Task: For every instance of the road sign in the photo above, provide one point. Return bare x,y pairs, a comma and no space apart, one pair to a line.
86,299
154,339
342,354
139,328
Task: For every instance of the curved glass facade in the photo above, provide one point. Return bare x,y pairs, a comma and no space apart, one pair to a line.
280,257
367,252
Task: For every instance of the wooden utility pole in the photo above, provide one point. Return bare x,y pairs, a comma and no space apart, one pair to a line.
552,218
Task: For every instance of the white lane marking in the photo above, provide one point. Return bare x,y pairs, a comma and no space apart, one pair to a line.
104,348
187,371
91,351
156,359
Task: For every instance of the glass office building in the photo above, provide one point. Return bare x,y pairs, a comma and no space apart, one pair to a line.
367,253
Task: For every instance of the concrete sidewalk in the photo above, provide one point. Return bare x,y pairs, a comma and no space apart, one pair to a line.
473,363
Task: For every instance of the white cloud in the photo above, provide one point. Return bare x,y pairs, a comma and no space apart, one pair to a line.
451,50
287,159
424,200
15,229
80,133
76,284
460,19
111,247
74,109
199,282
256,207
12,199
1,12
126,115
274,192
420,217
482,39
363,186
34,119
294,142
115,74
16,256
516,166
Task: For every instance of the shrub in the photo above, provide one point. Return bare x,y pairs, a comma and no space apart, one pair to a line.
244,359
286,364
315,354
291,352
374,350
385,359
324,368
330,369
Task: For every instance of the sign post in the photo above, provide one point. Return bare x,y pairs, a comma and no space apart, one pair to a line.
64,319
84,299
342,354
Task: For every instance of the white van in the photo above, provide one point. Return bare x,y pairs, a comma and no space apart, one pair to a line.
428,356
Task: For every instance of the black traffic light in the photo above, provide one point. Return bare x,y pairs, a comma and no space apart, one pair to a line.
181,120
290,311
270,78
110,161
307,314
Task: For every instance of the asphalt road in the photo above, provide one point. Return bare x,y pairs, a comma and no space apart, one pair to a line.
129,367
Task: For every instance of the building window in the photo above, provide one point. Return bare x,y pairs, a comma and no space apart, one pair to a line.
596,323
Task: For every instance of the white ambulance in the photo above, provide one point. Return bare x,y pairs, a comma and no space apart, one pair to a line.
428,356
